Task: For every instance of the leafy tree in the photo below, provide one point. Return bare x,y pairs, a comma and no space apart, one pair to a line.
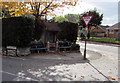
73,18
96,20
68,31
59,19
37,9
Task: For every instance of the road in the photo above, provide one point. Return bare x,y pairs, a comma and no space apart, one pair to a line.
109,60
110,50
23,68
102,65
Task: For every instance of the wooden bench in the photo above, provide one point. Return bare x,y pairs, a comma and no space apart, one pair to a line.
39,47
64,46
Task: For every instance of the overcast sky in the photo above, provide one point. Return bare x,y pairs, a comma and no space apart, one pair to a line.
109,9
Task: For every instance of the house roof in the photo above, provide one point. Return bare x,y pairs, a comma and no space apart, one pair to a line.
98,28
51,26
115,26
104,27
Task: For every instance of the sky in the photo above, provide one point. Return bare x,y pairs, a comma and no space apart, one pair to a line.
109,9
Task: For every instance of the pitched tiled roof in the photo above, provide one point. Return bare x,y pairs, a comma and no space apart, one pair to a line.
115,26
104,27
98,28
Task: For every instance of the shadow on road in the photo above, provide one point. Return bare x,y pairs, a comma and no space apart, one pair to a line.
41,67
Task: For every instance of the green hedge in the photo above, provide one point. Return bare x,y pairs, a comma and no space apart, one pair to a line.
17,31
104,39
68,31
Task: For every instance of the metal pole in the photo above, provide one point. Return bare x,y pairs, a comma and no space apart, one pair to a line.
85,44
85,50
88,35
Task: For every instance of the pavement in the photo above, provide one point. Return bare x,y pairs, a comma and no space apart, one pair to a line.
60,66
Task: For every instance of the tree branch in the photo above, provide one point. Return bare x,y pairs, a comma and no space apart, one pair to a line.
38,7
32,7
45,8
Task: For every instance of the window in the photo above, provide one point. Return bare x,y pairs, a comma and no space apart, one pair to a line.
111,31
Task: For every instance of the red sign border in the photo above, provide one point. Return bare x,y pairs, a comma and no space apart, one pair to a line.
89,20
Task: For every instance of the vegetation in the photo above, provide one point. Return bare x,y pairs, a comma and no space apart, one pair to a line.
104,39
93,33
74,18
17,31
59,19
101,39
37,9
96,20
68,31
75,47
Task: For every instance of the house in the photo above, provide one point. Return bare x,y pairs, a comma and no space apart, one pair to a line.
113,30
99,31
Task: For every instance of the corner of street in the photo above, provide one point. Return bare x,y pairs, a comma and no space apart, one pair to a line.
101,65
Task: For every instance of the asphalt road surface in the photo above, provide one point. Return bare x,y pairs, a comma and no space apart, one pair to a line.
105,49
17,68
103,62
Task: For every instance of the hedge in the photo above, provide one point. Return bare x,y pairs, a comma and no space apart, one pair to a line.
17,31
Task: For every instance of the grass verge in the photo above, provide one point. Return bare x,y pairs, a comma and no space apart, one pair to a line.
104,39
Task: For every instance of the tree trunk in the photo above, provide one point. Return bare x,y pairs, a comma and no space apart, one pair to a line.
39,27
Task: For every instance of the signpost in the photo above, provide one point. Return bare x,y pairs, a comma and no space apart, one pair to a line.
86,19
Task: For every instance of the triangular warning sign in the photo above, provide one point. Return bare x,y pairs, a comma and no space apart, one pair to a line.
87,19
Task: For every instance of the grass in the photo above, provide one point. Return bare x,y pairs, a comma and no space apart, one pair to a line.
103,39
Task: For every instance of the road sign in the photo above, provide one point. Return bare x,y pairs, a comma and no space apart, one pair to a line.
87,19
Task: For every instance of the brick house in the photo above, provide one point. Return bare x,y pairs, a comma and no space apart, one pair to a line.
99,31
113,30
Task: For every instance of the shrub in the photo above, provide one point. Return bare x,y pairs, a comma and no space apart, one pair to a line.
17,31
68,31
93,33
75,47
